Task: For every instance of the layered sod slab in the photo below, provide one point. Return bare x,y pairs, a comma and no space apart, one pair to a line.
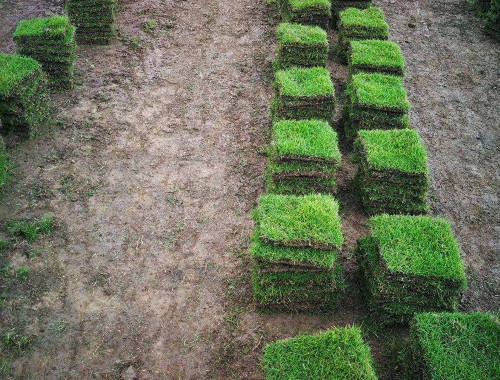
306,12
393,174
304,157
410,264
301,45
50,41
94,19
339,353
303,93
453,346
375,56
360,24
374,101
24,104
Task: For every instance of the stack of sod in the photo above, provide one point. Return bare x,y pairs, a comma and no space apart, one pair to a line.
23,94
304,157
360,24
410,264
339,353
340,5
301,45
295,250
392,172
307,12
303,94
375,101
3,165
453,346
50,41
376,56
94,19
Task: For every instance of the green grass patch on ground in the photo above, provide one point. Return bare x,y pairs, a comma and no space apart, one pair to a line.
339,353
454,346
376,56
31,230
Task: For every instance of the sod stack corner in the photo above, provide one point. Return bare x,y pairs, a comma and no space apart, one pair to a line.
338,353
24,106
453,346
410,264
392,172
307,12
340,5
94,19
376,56
301,45
303,93
50,41
3,164
304,157
360,24
374,101
295,251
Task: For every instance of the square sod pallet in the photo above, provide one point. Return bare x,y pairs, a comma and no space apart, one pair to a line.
4,162
304,157
392,172
303,93
374,101
295,253
50,41
94,19
375,56
410,264
339,353
340,5
360,24
453,346
301,45
24,102
307,12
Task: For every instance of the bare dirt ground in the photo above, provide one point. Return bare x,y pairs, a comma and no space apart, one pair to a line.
155,163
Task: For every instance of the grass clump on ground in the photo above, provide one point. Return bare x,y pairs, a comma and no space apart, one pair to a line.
31,230
392,172
50,41
339,353
303,93
306,12
301,45
375,56
410,264
94,19
374,101
360,24
295,251
304,157
4,167
454,346
24,104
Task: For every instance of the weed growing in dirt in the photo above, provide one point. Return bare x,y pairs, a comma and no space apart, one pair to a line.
17,342
149,26
23,273
31,230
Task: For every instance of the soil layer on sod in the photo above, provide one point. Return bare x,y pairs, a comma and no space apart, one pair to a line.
375,56
339,353
94,19
360,24
306,12
304,157
24,106
50,41
410,264
392,172
453,346
301,45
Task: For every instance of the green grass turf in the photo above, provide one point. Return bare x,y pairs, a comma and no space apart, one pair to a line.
305,138
4,165
395,149
13,70
418,245
337,354
43,27
376,53
298,34
308,220
379,91
372,18
456,346
304,4
304,82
